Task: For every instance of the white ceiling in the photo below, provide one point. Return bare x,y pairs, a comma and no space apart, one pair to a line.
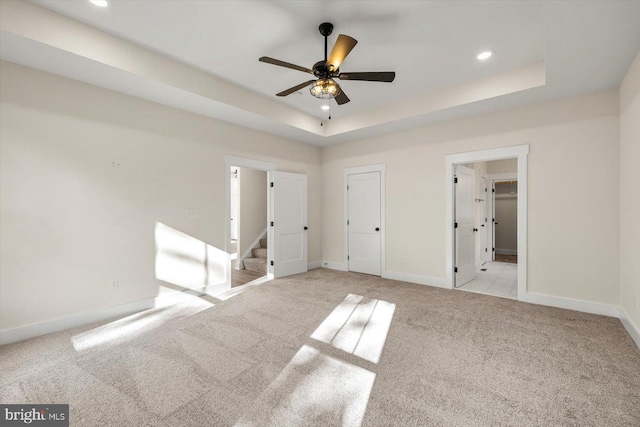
432,46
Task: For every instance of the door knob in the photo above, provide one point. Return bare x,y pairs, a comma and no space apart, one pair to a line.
377,228
306,228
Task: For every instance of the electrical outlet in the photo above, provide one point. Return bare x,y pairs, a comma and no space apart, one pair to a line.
634,300
115,164
114,284
403,259
192,213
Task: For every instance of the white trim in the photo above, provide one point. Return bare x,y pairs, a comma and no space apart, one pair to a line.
519,151
252,164
631,327
416,278
20,333
491,154
314,264
334,266
523,221
243,162
382,168
255,244
574,304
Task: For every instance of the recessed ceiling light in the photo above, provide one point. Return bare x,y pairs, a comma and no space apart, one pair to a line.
325,107
484,55
101,3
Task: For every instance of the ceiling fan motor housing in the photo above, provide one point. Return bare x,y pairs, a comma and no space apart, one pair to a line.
321,71
326,28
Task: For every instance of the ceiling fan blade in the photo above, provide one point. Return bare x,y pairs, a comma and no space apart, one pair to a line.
284,64
380,76
295,88
341,49
342,98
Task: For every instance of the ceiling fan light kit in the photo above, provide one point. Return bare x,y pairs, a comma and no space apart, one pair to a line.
325,71
325,88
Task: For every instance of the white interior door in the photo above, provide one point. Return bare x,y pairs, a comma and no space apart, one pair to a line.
464,225
289,223
235,202
484,221
363,199
493,221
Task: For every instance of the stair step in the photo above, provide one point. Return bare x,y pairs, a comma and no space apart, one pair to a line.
259,265
259,253
263,243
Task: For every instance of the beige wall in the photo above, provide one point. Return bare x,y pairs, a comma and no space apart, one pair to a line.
574,141
630,193
502,166
253,207
69,223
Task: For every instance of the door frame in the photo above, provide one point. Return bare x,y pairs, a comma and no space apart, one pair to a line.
521,152
379,167
244,162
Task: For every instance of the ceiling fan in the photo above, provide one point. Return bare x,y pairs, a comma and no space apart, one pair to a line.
324,86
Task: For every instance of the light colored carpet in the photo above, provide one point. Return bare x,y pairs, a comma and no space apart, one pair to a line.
329,348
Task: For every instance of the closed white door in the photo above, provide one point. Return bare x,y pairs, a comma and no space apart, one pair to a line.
289,217
464,225
363,222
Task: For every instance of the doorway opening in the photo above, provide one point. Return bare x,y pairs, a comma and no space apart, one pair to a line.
248,225
505,226
488,211
248,202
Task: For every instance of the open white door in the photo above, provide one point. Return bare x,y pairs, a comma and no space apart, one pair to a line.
464,225
289,220
363,198
235,202
485,256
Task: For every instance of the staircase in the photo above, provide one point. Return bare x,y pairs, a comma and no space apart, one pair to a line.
258,261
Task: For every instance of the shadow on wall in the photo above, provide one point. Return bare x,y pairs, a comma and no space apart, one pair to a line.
189,263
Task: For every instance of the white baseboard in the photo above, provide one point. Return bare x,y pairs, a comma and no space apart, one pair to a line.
631,327
25,332
314,264
506,251
21,333
573,304
416,278
334,266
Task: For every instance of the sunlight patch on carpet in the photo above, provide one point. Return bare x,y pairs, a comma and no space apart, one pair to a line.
313,387
179,305
358,326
